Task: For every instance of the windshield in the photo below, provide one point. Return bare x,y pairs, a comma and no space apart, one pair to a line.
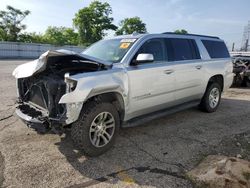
112,50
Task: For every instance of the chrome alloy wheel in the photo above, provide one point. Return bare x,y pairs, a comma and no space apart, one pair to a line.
102,129
214,97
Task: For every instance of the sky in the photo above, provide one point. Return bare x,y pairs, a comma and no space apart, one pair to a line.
223,18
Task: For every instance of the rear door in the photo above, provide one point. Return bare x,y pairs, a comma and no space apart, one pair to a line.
189,73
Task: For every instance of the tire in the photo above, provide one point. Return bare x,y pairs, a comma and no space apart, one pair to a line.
245,82
206,104
82,131
248,82
237,82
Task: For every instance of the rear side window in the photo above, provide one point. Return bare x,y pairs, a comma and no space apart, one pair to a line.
216,49
182,49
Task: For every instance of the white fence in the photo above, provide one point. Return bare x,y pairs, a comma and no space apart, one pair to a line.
239,53
30,50
33,50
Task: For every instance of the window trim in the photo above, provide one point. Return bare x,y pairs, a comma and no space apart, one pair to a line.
195,48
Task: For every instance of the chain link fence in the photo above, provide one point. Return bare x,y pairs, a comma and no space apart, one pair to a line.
18,50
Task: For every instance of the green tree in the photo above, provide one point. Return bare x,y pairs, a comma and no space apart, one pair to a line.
181,31
131,25
31,37
11,23
71,36
60,36
92,22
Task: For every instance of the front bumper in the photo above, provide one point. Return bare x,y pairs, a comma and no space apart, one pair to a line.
39,119
34,123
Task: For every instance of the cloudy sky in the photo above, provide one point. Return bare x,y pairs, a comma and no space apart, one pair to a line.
223,18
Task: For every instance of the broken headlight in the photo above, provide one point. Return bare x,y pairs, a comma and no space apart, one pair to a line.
71,84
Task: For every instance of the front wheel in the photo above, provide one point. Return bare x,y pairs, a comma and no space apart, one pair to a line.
95,130
211,98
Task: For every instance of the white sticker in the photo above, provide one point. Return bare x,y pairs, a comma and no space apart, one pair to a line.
128,40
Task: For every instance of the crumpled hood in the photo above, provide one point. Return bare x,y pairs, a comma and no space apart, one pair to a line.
38,65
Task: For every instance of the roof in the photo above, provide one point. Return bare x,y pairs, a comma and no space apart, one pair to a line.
135,35
139,35
195,35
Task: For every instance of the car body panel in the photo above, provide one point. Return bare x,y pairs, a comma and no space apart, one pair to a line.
38,65
189,80
91,84
150,88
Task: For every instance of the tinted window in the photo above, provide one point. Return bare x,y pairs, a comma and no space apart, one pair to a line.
155,47
182,49
216,49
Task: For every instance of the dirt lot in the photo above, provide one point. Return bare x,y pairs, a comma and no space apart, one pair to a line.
156,154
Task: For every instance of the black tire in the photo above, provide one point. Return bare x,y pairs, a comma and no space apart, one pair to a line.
245,82
237,82
204,105
80,129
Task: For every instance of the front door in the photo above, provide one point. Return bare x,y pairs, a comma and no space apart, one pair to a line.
151,84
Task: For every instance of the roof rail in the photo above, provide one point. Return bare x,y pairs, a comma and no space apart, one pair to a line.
172,33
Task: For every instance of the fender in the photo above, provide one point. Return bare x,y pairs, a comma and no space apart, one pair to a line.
222,67
92,84
95,83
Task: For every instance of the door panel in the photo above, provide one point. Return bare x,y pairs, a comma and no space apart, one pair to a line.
189,73
151,88
189,81
151,84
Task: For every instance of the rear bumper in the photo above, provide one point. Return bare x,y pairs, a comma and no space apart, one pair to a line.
228,81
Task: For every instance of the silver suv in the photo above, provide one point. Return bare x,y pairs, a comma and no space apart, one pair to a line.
121,82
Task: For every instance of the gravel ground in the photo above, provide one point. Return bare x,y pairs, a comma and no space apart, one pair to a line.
156,154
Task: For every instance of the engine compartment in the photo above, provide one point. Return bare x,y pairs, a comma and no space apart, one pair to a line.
43,90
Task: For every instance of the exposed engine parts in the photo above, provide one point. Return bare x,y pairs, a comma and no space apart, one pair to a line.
241,71
39,94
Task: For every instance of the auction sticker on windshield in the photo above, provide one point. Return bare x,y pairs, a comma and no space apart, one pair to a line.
125,45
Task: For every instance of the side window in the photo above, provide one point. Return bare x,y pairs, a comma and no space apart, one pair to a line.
195,50
155,47
182,49
216,49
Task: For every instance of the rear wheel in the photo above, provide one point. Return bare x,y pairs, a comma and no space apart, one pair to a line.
246,81
95,130
211,98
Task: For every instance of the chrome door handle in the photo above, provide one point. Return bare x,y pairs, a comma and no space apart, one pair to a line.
168,71
198,67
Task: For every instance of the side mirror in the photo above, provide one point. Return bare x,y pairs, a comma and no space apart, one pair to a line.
143,58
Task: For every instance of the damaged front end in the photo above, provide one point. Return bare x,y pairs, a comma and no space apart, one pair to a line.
42,83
